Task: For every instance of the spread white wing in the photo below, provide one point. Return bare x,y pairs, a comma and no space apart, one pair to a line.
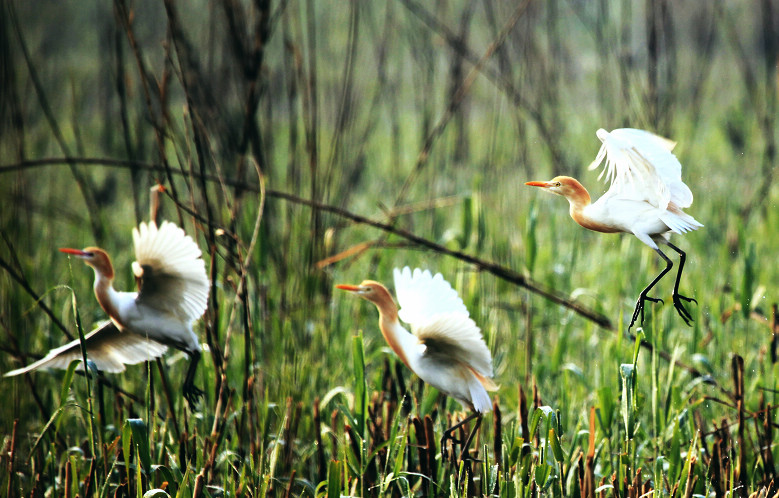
640,166
170,272
440,320
106,346
455,338
421,295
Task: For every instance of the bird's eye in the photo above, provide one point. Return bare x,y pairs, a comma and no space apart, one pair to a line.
557,184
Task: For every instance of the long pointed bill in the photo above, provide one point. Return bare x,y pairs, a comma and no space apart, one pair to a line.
539,184
347,287
75,252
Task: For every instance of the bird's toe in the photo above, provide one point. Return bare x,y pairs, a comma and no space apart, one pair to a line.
467,457
193,394
444,452
638,313
679,304
653,299
685,298
684,314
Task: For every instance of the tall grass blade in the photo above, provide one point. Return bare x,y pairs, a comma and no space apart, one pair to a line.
360,385
334,480
627,372
136,428
531,242
748,279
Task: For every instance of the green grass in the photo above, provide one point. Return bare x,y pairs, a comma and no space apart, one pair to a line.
303,396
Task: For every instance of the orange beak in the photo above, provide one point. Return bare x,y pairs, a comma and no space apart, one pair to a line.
75,252
347,287
539,184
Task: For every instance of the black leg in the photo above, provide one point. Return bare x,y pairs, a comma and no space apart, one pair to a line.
467,445
678,298
191,392
448,433
639,311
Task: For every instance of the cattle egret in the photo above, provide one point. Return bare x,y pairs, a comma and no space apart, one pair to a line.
446,348
646,198
172,294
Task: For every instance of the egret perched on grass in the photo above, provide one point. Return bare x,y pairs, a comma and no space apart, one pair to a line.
446,348
646,198
172,294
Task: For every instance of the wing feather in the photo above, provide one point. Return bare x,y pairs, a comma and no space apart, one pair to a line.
452,353
109,348
641,165
457,338
422,295
170,271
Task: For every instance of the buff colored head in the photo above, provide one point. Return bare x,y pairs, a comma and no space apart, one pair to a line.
369,290
94,257
560,185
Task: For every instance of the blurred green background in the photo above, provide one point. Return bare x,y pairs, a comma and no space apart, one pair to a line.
426,117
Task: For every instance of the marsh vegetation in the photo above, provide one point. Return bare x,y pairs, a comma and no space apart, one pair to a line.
304,144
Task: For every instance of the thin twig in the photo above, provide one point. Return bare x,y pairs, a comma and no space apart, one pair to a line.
82,181
21,280
497,78
457,99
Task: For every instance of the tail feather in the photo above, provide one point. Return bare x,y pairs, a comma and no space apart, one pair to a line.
679,221
479,386
479,397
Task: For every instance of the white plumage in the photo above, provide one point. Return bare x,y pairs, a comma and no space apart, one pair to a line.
647,194
172,293
646,198
107,347
641,166
437,315
446,348
421,295
172,259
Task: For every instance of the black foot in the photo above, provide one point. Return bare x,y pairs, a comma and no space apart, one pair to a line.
464,444
686,316
192,394
639,311
466,457
447,437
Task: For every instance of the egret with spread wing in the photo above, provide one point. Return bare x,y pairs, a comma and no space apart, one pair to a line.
646,198
446,348
172,294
